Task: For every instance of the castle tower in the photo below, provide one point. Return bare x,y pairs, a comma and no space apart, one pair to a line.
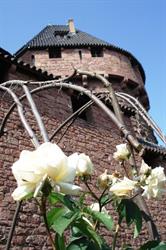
57,49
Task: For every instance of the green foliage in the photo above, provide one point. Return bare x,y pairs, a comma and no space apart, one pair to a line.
60,242
60,218
82,244
52,198
104,218
153,245
85,244
66,200
88,231
83,222
104,199
129,211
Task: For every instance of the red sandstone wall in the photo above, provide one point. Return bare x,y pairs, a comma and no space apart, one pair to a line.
97,138
111,63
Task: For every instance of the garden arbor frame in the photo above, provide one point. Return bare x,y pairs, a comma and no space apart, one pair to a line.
115,116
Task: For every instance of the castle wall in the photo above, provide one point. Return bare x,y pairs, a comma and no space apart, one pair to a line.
97,138
111,63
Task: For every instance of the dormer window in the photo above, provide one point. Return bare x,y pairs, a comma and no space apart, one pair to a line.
96,52
55,52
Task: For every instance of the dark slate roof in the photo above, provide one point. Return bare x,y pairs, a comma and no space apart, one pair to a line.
8,58
105,96
152,147
59,36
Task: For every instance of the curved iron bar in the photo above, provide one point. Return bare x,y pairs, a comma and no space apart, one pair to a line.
43,131
99,103
12,228
35,143
21,82
147,118
75,114
36,114
22,117
108,85
72,116
31,133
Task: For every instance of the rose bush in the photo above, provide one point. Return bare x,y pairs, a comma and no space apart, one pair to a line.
48,168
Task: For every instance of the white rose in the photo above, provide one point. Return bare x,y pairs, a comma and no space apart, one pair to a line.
122,153
104,180
84,166
144,168
155,183
33,167
123,187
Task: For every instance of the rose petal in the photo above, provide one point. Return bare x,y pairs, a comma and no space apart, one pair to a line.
21,191
68,188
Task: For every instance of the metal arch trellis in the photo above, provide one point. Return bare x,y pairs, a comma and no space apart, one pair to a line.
116,118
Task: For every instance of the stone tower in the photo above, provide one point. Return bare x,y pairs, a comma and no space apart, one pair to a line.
52,54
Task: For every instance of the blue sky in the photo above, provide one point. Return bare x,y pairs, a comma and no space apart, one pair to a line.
138,26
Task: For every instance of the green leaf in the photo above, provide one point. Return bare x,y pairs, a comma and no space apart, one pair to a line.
65,200
55,213
82,244
60,242
104,218
76,233
85,244
63,220
105,198
82,199
88,231
128,210
52,198
153,245
161,247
